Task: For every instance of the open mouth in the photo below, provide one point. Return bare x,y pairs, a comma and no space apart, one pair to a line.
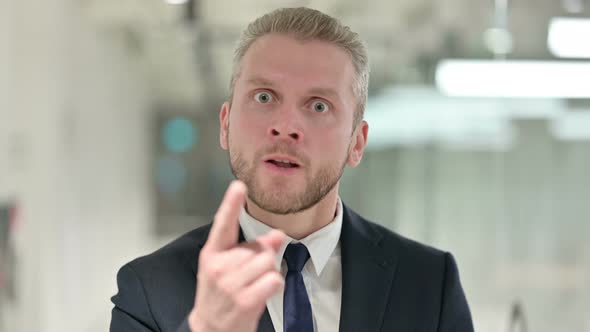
282,163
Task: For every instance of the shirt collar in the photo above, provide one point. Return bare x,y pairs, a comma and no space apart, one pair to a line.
320,244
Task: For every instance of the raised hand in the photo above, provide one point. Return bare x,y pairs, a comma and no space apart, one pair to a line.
234,280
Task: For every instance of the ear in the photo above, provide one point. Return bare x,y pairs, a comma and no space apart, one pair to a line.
224,126
357,144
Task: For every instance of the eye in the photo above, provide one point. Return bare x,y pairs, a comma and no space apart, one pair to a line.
263,97
320,106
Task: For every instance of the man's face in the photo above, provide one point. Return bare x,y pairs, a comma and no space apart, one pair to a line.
289,131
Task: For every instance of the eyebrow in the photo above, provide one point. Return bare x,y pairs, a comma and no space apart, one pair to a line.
260,81
325,92
316,90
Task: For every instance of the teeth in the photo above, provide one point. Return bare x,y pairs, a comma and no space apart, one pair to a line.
283,161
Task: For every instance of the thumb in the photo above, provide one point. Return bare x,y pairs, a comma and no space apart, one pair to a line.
273,239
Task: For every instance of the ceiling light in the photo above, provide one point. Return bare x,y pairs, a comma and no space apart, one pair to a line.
176,2
519,79
569,37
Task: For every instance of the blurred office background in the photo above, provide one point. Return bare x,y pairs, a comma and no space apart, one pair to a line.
479,144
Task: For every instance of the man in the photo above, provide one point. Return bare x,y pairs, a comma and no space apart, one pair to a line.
283,252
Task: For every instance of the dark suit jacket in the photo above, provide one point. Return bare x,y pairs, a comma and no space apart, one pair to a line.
389,283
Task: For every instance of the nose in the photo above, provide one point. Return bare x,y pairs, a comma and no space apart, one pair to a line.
286,124
277,133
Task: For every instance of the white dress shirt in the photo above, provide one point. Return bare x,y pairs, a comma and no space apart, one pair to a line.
322,274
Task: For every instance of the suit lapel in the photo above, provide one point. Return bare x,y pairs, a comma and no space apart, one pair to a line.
367,275
265,323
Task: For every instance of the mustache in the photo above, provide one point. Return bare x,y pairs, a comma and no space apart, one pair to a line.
284,148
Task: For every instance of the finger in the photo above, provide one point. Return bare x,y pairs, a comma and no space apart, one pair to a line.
233,259
273,239
249,272
265,287
224,232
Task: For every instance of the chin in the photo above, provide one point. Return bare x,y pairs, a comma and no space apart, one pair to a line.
276,199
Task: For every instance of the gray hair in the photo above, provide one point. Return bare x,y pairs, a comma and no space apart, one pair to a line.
310,24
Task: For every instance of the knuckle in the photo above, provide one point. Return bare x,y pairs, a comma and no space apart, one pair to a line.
245,304
226,289
213,270
277,280
204,255
241,254
268,260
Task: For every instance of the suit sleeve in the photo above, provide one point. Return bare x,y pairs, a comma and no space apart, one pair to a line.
455,314
132,311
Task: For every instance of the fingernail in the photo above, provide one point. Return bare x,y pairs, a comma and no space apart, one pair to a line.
238,185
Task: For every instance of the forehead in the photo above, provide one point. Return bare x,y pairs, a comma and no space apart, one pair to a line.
313,64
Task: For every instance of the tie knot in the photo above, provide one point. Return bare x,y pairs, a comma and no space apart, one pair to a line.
296,256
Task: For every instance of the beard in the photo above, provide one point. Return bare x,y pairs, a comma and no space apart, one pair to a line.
279,198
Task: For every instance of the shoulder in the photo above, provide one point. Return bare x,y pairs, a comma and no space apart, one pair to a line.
425,277
390,239
406,245
158,289
180,255
411,253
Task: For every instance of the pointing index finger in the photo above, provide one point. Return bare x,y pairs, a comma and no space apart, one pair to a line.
224,232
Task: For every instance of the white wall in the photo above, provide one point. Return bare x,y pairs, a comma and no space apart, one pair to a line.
516,221
75,107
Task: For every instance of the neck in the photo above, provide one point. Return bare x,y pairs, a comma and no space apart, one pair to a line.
301,224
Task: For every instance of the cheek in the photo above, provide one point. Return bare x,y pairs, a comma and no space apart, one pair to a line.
246,131
330,145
